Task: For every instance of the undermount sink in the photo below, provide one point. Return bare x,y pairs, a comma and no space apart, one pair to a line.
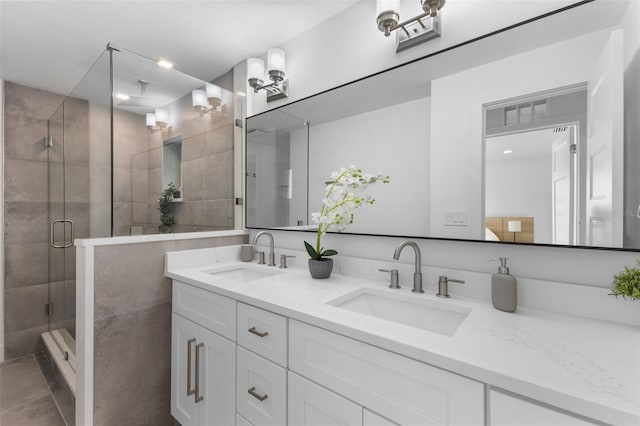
412,310
243,273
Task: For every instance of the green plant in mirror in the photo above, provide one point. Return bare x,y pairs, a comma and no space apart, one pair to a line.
627,283
166,207
343,195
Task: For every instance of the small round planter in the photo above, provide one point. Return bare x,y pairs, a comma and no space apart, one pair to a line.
320,269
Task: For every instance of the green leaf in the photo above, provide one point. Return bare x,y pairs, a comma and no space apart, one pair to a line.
329,252
627,284
312,252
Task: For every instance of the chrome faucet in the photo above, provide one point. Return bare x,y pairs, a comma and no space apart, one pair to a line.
417,275
272,254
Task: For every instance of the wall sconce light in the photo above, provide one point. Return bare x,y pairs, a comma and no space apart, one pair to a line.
416,30
158,120
208,100
279,87
514,226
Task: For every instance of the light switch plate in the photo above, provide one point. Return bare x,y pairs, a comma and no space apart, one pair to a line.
456,218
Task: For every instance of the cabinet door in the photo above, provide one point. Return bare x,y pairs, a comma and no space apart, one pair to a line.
217,381
372,419
202,375
507,410
261,390
183,342
313,405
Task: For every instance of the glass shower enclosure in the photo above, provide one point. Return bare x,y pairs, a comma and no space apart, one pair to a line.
105,146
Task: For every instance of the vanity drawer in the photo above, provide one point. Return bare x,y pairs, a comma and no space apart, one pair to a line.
401,389
210,310
263,332
261,388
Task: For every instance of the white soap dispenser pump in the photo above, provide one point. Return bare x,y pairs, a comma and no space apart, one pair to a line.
504,288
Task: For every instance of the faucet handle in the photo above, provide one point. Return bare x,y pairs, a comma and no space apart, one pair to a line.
395,277
283,260
443,285
261,258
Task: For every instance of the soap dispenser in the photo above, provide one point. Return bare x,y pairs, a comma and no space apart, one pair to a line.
504,288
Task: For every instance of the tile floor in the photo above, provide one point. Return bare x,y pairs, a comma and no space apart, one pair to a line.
30,394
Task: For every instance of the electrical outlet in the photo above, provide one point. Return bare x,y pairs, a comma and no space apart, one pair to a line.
456,218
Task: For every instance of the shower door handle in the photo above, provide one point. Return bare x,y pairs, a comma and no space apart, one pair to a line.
51,232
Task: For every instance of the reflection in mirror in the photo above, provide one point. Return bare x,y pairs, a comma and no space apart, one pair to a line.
276,172
555,95
172,164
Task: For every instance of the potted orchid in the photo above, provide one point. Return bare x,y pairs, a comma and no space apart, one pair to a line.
342,197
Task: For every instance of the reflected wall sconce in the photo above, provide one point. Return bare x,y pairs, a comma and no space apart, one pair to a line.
413,31
279,87
208,100
158,120
514,226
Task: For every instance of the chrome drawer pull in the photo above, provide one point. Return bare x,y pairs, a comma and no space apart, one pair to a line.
198,397
257,333
256,395
189,390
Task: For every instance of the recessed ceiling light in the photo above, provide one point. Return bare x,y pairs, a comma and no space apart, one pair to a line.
123,96
165,64
239,93
507,151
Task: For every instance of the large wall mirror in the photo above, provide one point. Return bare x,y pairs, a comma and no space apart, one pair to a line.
530,135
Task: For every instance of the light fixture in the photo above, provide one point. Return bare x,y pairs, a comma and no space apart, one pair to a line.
208,100
514,226
279,87
416,30
123,96
158,120
165,63
507,151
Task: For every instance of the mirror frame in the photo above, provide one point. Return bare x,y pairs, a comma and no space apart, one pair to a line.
438,52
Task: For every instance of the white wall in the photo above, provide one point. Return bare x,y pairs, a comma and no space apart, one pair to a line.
457,120
298,162
2,221
394,141
521,187
347,47
632,124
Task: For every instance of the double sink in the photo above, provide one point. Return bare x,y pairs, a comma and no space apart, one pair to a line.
390,305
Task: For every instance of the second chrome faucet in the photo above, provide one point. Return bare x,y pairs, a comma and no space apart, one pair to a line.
417,274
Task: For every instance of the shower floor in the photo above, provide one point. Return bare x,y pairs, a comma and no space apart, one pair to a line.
30,394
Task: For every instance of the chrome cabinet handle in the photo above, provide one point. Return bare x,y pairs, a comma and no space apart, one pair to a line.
198,397
257,333
256,395
189,390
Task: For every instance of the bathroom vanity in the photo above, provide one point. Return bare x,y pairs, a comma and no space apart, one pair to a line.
258,345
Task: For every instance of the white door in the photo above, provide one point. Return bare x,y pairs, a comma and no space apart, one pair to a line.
183,342
313,405
203,366
217,379
605,147
562,188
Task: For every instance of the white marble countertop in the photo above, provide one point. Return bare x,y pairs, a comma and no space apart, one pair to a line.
588,367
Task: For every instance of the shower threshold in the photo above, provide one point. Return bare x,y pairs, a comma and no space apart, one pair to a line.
62,348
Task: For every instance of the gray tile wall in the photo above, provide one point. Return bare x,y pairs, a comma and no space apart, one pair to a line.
132,331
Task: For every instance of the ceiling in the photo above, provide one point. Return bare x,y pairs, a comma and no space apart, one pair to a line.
52,44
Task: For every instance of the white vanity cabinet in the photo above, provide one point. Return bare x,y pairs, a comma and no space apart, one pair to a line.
261,377
404,391
509,410
203,363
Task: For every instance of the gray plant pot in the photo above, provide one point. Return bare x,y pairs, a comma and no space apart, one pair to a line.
320,269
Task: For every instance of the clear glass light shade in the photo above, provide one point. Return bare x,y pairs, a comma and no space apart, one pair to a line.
199,99
151,120
387,6
275,60
255,68
214,94
162,117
